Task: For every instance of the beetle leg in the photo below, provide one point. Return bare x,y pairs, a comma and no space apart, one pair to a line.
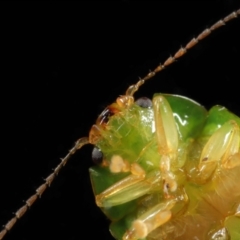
166,130
150,220
167,140
222,146
129,188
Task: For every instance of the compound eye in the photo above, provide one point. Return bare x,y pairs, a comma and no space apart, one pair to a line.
97,155
144,102
106,114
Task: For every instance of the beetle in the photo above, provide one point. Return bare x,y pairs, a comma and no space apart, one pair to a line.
30,149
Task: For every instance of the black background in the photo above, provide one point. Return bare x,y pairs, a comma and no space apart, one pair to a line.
63,62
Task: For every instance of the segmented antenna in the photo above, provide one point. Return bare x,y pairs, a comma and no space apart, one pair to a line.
40,190
130,92
134,88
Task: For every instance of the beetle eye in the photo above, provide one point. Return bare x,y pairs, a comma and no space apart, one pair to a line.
144,102
106,114
97,155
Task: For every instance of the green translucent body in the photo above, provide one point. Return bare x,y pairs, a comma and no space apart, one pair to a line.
211,204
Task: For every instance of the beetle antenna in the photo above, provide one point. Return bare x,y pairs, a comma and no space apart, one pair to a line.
40,190
194,41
